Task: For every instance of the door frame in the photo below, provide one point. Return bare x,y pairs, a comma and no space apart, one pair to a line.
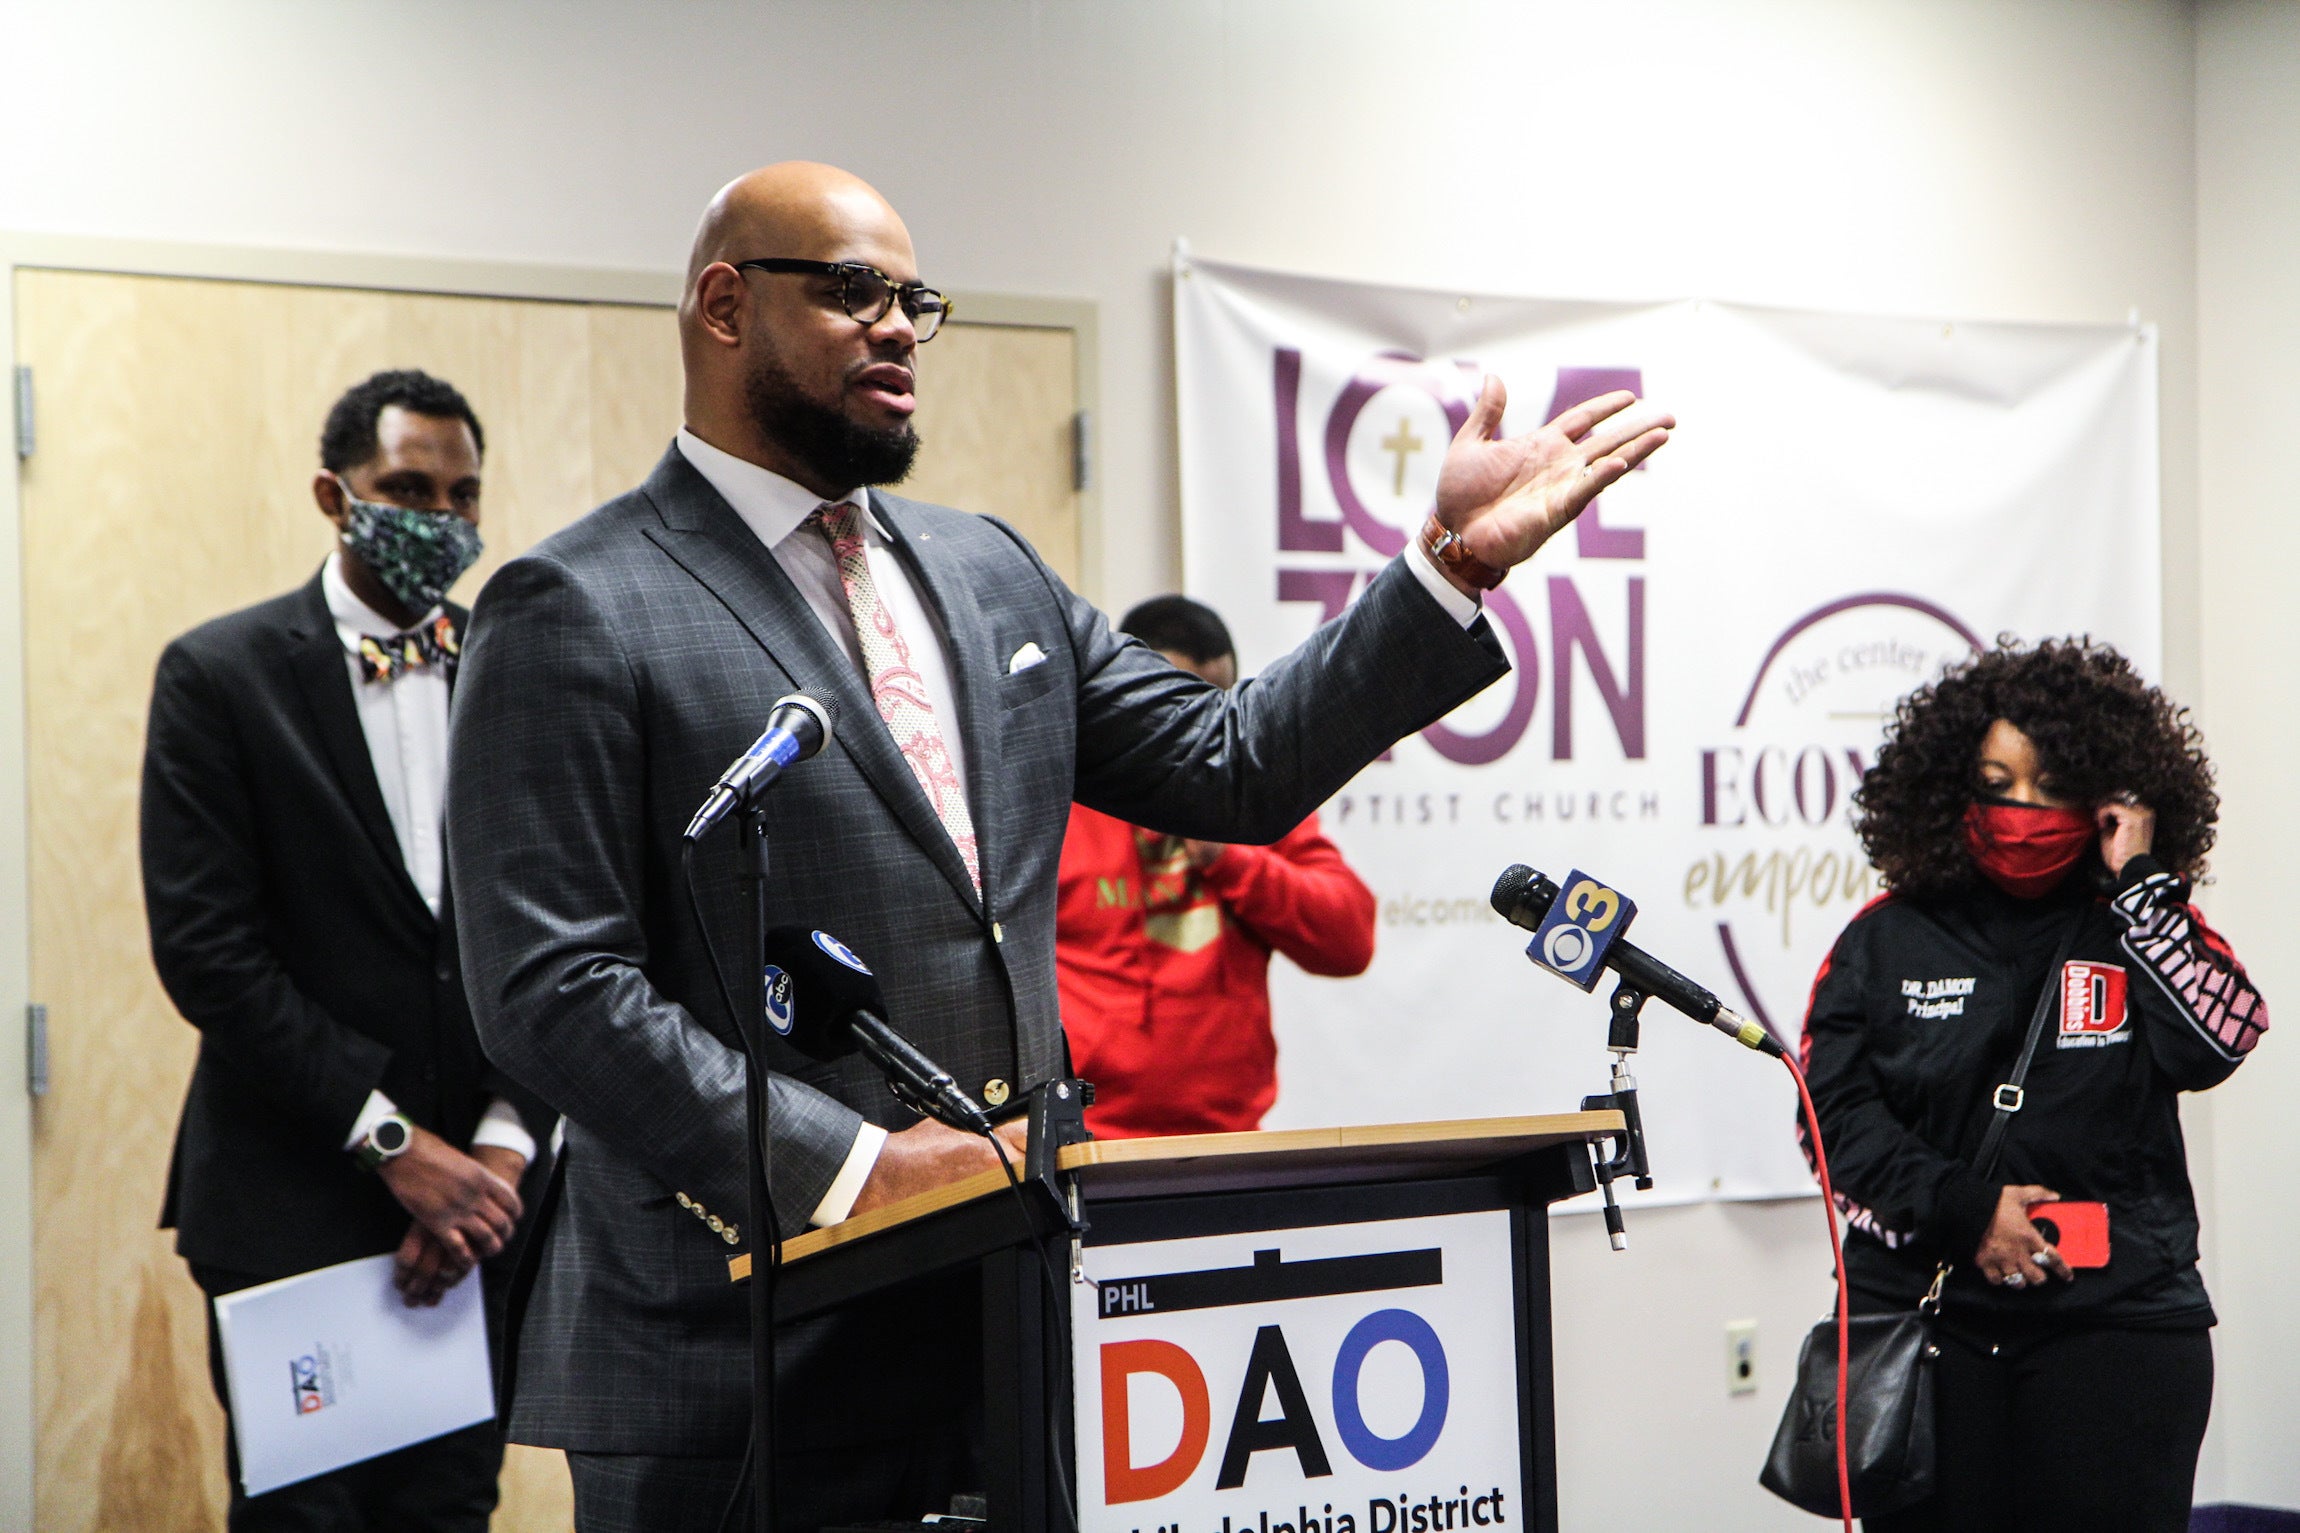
294,268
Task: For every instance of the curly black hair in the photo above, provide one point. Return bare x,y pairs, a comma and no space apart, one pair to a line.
2098,728
348,439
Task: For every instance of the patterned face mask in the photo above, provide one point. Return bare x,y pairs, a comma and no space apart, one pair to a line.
416,554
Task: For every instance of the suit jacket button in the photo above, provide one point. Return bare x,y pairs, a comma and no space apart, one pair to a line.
996,1091
997,932
443,973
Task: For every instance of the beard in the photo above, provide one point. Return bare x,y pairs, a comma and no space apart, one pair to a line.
835,450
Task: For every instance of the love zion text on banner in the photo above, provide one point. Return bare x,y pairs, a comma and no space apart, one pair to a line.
1702,665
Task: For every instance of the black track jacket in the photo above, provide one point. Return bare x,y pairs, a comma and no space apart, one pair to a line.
1918,1014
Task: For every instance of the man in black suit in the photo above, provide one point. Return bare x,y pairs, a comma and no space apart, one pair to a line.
617,667
295,883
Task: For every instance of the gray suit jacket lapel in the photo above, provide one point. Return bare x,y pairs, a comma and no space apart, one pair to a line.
967,632
705,537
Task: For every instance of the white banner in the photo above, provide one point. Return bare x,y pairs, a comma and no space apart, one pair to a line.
1702,665
1355,1378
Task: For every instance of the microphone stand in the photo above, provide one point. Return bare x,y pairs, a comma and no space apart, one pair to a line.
766,1239
1628,1157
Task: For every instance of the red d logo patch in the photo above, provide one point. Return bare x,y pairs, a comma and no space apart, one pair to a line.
2092,1009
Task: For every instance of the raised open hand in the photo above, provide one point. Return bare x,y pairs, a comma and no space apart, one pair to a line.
1506,496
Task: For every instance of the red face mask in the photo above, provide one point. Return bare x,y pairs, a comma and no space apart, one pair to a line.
2026,849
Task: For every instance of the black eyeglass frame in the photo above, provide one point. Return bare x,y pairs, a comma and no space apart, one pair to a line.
916,298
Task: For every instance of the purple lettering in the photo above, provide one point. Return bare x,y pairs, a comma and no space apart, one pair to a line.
1759,777
1828,773
1592,539
1712,785
1330,589
1391,367
1525,678
1296,532
1570,629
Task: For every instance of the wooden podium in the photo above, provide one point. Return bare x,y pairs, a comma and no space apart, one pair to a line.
1266,1228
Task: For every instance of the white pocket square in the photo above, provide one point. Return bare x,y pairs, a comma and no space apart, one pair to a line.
1026,657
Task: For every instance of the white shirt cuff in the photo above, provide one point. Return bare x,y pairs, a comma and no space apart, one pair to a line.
500,1126
1463,609
377,1108
848,1184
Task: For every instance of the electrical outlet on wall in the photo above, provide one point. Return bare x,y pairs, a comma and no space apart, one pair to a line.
1740,1357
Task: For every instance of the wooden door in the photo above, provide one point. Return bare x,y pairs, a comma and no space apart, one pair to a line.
996,404
178,430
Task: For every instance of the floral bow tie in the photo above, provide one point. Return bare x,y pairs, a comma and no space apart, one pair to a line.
389,659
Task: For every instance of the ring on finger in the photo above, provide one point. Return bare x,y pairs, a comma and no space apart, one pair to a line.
2015,1280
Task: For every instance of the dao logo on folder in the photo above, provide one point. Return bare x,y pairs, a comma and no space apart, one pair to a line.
312,1378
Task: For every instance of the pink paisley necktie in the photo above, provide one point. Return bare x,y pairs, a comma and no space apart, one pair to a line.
895,685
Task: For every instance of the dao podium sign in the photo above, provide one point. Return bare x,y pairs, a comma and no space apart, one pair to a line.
1354,1378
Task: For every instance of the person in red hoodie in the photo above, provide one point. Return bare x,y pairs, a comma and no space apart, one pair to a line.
1162,945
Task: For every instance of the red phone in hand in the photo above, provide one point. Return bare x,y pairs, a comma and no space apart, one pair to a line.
2079,1231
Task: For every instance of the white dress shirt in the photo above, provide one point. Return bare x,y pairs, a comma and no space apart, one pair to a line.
1463,609
776,509
405,722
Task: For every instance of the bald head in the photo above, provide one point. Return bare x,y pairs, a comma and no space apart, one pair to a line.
797,208
777,371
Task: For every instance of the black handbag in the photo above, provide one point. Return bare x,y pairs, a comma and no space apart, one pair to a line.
1889,1366
1888,1414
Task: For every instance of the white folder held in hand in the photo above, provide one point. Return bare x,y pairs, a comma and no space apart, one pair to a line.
331,1367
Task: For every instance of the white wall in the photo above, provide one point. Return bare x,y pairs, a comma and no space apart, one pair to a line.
2248,311
1986,159
2020,159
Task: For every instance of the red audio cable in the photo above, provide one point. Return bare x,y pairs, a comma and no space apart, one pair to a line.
1844,1302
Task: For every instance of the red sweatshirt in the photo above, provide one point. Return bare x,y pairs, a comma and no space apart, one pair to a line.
1164,968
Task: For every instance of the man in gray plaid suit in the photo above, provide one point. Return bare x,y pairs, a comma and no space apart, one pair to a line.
615,669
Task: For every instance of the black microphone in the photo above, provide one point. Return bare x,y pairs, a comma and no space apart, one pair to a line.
825,1002
797,727
1522,897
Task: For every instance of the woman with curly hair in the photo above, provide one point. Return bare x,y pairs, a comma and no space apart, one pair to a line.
2038,816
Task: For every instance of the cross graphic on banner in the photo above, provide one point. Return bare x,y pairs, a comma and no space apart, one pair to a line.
1404,443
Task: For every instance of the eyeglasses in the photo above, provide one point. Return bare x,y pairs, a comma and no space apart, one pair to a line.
867,293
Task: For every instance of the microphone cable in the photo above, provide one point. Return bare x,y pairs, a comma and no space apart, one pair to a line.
767,1250
1844,1297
